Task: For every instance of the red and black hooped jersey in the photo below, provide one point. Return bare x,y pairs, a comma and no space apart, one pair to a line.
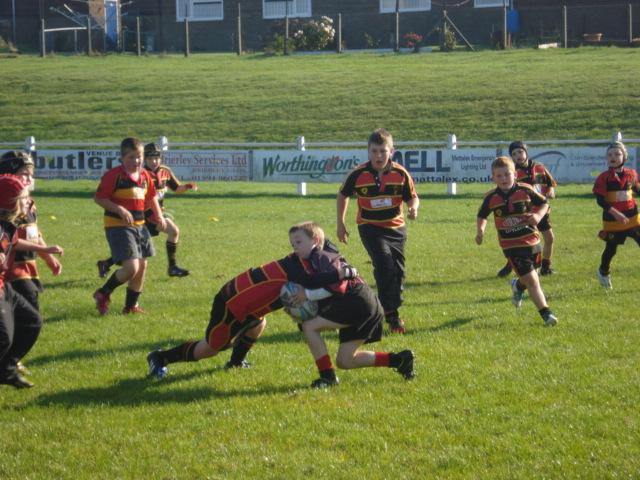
508,210
163,178
119,187
8,240
616,190
24,265
380,195
536,175
256,291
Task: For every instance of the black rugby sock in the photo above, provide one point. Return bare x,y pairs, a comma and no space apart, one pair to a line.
241,348
171,253
111,284
181,353
131,298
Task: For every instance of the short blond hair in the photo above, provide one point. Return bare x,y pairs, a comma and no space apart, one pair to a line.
380,137
311,230
502,162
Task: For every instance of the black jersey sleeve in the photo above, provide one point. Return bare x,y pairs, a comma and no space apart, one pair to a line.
484,211
296,273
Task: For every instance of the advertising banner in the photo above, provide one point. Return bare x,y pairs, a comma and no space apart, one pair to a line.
472,165
308,166
209,165
187,165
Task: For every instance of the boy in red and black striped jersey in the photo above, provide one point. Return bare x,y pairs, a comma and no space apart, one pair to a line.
536,175
24,276
125,192
381,187
614,191
348,306
20,321
517,208
163,178
238,314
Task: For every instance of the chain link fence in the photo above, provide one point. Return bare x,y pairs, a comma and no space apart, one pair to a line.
614,23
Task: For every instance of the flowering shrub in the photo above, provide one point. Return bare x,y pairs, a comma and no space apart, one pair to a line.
412,40
315,34
311,35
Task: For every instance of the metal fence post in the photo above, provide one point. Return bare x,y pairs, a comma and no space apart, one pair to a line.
89,35
452,144
396,47
138,36
286,33
564,26
630,24
300,145
187,47
30,144
164,143
239,29
43,40
504,26
339,43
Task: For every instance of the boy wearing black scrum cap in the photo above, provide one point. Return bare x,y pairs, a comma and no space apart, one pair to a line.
536,175
614,190
24,273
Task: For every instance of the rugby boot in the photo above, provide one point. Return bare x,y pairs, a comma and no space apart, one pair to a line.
406,364
504,271
176,271
157,367
103,268
102,302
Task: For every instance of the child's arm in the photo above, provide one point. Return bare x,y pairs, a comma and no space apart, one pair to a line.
551,193
52,262
27,246
536,215
111,206
413,205
186,186
481,225
342,204
614,212
305,294
157,213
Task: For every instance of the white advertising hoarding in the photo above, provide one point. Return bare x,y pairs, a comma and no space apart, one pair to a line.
308,166
472,165
188,165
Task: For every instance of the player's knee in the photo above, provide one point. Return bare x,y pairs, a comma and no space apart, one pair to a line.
345,361
256,331
128,270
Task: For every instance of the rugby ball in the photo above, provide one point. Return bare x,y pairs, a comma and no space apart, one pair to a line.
299,313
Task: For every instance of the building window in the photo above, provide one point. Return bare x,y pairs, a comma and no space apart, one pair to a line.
199,10
388,6
291,8
490,3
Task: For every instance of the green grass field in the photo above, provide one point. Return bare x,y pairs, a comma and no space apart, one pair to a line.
497,395
576,93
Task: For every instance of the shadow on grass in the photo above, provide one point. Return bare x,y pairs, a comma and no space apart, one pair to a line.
283,337
84,354
435,283
451,324
144,391
78,283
